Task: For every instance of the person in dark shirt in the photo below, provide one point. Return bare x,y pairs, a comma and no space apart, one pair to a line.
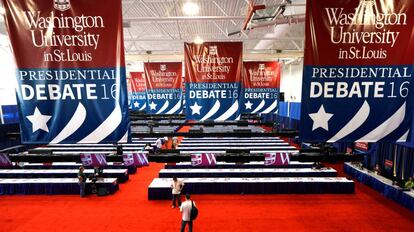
98,171
82,181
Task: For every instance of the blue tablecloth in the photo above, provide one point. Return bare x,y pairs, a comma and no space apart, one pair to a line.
131,169
221,166
159,192
50,188
122,178
390,191
247,174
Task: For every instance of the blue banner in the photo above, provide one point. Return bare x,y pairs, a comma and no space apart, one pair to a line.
63,109
212,101
213,75
164,88
138,101
357,107
358,71
70,70
137,96
261,87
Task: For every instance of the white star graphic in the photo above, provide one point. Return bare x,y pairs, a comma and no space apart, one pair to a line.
38,120
320,119
136,104
195,109
248,105
153,106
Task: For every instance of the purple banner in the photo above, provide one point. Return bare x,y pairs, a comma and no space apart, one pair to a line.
93,160
277,159
135,159
204,159
5,160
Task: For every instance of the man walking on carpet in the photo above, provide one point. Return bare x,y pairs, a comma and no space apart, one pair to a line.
185,209
176,187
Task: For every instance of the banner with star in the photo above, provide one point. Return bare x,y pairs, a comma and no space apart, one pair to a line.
213,73
164,93
260,87
137,96
358,70
70,70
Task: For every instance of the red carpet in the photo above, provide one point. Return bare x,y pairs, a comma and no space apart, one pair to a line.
129,210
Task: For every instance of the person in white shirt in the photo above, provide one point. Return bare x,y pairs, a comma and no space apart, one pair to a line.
158,145
185,209
176,187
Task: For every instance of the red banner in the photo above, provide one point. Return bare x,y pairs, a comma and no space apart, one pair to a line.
45,33
358,32
260,90
261,74
137,81
213,73
161,75
358,69
70,70
137,91
164,87
213,62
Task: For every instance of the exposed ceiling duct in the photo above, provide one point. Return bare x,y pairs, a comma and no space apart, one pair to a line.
289,11
282,18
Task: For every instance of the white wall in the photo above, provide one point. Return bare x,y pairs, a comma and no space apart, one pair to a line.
291,81
8,81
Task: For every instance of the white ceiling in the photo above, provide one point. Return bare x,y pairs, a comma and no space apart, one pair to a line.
160,26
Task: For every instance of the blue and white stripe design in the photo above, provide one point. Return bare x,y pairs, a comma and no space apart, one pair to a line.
73,105
219,104
365,109
137,101
259,100
164,101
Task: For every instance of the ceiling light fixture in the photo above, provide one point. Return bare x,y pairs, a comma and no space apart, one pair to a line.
191,8
198,40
